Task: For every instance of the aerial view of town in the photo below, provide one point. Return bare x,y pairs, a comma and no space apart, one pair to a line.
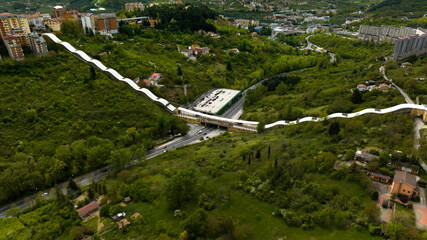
218,119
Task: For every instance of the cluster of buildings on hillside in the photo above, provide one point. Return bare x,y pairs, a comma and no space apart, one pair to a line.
211,34
403,181
408,41
245,23
18,30
16,33
153,80
141,6
292,21
104,24
370,85
303,16
195,51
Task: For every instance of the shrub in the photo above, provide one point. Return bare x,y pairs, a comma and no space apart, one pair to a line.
374,229
375,195
116,209
139,191
422,183
103,201
385,203
178,213
416,199
104,211
374,152
410,205
206,202
195,224
404,199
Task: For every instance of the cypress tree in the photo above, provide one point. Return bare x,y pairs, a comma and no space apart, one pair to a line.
334,128
179,70
249,160
357,97
229,68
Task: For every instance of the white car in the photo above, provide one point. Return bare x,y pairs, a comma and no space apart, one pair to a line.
45,194
200,131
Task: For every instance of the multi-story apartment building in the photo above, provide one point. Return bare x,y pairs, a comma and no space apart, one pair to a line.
14,47
132,6
407,41
54,24
35,21
106,23
11,22
406,47
37,44
384,32
87,22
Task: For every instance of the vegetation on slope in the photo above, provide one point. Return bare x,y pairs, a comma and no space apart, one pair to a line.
207,191
396,8
148,50
60,117
326,88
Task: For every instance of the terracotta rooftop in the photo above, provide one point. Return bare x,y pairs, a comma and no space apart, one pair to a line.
33,16
405,177
83,211
379,175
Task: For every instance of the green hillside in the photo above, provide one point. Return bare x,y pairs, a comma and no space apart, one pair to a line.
395,8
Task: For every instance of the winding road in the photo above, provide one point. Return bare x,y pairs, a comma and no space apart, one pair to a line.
310,46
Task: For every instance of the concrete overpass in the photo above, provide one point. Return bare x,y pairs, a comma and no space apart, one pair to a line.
234,125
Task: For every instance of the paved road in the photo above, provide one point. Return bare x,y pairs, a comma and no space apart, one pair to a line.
418,121
310,46
193,136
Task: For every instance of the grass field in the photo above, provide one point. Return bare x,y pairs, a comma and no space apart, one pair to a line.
219,170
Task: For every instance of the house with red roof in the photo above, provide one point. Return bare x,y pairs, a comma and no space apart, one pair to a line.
155,77
88,209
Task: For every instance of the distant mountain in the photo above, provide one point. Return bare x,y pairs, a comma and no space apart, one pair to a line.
394,8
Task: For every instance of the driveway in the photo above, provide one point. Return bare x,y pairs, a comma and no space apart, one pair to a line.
382,188
420,210
385,212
